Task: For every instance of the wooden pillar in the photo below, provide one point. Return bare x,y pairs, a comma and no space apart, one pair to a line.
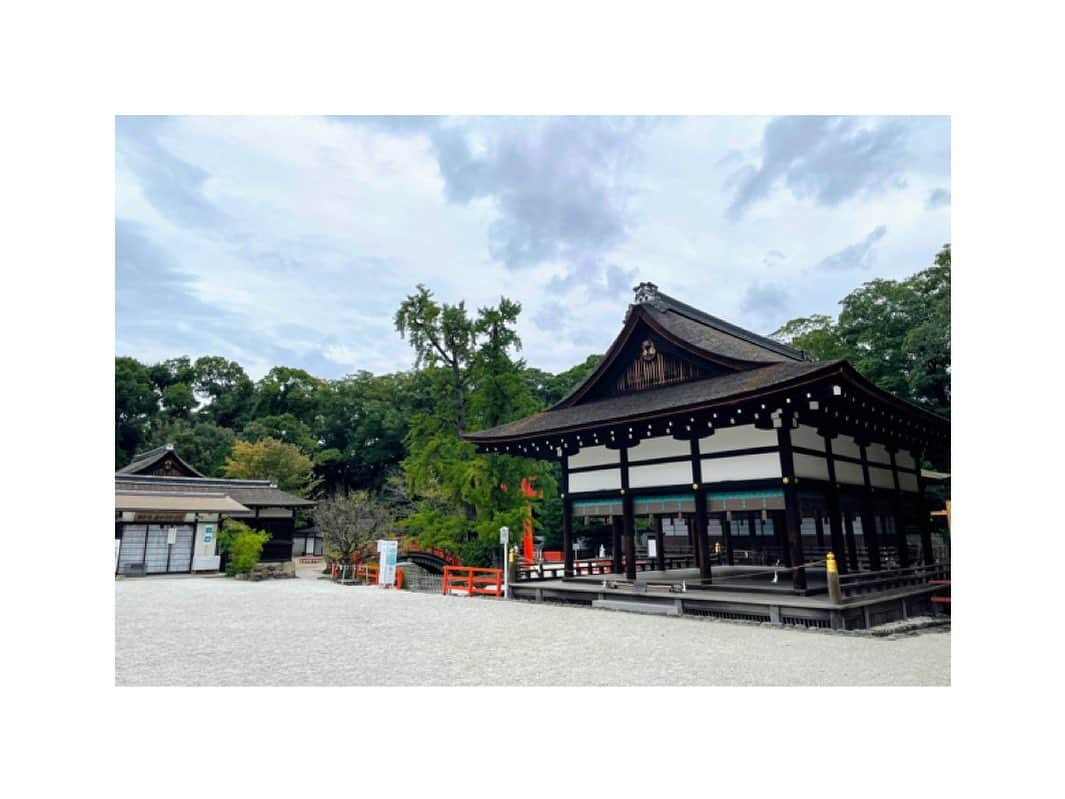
567,522
615,544
852,540
792,514
923,522
660,544
628,523
835,517
869,532
726,532
900,521
702,540
567,536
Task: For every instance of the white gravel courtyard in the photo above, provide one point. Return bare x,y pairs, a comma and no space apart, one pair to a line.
217,631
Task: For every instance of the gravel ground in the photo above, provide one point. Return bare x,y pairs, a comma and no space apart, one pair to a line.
216,631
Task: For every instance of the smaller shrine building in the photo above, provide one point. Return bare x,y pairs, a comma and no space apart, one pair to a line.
167,515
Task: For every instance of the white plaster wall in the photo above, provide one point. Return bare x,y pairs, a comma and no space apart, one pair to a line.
844,445
741,467
742,437
877,453
599,480
660,474
594,456
904,460
849,473
810,466
659,447
881,478
806,436
907,482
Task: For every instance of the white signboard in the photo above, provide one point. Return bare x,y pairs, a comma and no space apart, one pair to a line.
387,551
504,535
652,548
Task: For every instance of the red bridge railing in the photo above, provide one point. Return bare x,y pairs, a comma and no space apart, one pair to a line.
446,557
472,581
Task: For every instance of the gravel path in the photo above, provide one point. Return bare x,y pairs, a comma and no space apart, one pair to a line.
216,631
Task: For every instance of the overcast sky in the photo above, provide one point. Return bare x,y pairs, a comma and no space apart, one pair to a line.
292,240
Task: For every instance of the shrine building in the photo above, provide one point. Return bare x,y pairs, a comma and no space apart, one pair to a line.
749,450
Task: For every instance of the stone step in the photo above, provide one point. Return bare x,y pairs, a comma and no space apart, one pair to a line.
655,608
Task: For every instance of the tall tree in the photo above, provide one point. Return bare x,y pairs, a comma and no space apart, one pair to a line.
461,493
135,406
226,390
441,335
286,390
270,459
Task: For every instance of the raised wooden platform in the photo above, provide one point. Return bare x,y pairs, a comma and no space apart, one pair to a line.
734,597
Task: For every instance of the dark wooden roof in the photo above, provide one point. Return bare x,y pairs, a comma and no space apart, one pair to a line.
733,366
252,493
680,397
715,342
146,462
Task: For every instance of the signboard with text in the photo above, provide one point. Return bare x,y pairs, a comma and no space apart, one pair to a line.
387,551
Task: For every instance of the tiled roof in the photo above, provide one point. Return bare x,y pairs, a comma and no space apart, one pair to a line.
679,397
253,493
146,460
716,335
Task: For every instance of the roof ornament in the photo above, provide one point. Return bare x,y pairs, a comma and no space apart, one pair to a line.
646,292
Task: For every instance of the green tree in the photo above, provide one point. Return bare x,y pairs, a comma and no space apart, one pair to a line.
226,390
461,494
204,445
286,428
286,390
441,335
362,424
270,459
135,408
178,401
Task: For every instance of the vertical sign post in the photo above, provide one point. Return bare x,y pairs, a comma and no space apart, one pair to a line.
504,538
387,570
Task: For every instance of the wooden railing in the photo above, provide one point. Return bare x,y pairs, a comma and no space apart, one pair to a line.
549,570
472,581
857,583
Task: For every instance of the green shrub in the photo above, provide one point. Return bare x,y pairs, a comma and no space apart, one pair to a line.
480,552
242,545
